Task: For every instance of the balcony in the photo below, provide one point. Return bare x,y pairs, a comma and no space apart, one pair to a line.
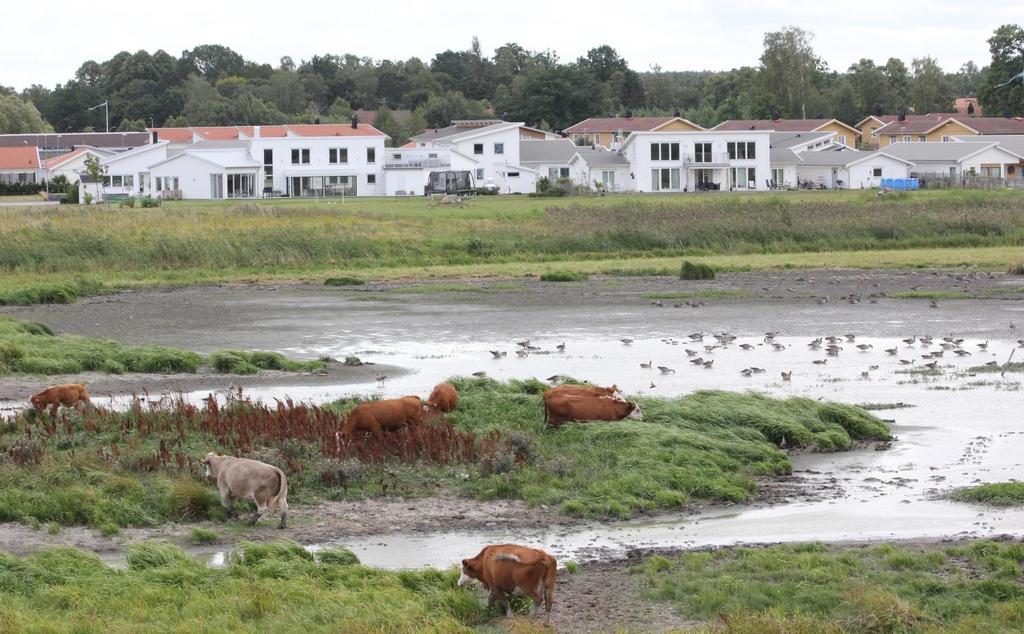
712,159
417,162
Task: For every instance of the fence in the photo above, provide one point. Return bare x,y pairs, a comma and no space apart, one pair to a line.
942,180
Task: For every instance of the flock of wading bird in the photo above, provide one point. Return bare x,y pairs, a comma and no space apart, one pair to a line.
930,350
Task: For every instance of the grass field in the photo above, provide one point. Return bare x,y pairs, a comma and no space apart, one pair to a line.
142,467
56,254
32,348
798,589
996,494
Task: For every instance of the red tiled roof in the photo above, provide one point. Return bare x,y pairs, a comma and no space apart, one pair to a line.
266,131
334,129
611,124
56,161
23,158
922,124
174,135
217,133
993,125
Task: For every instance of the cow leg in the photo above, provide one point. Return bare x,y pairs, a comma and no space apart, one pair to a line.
378,432
284,513
53,410
508,604
228,502
492,597
261,510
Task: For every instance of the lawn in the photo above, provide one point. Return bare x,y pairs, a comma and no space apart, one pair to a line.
141,467
102,248
970,587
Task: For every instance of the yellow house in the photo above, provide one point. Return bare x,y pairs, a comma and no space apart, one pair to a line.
924,129
611,132
845,134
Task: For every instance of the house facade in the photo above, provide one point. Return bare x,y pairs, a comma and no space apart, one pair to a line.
20,165
71,165
958,159
550,159
942,128
488,148
612,132
850,169
600,169
694,161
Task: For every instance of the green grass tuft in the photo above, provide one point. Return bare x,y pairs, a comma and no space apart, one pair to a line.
691,271
202,536
563,276
996,494
344,280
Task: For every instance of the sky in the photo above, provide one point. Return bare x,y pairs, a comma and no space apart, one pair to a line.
676,35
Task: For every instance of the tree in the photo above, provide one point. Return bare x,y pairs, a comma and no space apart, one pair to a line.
788,69
930,91
967,80
1007,48
440,110
96,172
129,125
870,89
898,79
561,95
213,61
17,116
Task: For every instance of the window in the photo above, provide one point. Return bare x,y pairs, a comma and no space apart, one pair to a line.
922,138
778,177
874,132
552,173
608,179
744,177
499,148
876,172
478,148
945,138
738,150
906,138
664,178
563,172
129,181
479,173
300,156
166,183
371,179
432,155
268,169
701,152
239,185
841,138
340,155
664,151
892,138
371,155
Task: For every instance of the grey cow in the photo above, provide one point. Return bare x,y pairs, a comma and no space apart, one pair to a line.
242,478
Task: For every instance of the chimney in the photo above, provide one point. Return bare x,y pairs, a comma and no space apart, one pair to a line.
355,122
154,136
256,132
901,115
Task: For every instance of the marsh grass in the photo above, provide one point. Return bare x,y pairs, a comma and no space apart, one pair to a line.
816,588
273,588
996,494
141,466
563,276
930,295
31,348
190,242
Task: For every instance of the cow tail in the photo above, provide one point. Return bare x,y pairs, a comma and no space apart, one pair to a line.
551,569
282,491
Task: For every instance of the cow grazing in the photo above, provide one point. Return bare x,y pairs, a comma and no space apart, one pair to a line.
245,479
563,408
69,395
503,569
376,417
444,398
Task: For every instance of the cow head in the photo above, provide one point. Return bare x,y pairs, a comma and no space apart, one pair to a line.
37,401
634,412
471,571
430,410
208,463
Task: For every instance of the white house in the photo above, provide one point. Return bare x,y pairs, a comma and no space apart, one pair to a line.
488,148
71,164
850,169
954,160
127,173
209,170
20,165
590,166
692,161
549,158
785,149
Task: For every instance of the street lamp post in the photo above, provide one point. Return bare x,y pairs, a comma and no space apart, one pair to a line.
106,112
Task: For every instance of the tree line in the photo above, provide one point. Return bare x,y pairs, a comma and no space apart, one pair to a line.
214,85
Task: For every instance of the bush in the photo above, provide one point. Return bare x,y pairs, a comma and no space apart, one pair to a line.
691,271
127,202
20,189
148,201
231,363
40,294
343,281
486,191
563,276
189,500
1016,268
337,557
70,195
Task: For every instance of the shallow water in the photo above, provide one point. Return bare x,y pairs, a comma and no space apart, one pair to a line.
960,430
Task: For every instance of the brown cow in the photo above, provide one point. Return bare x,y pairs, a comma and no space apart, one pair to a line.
444,398
562,408
503,569
242,478
391,414
69,395
583,390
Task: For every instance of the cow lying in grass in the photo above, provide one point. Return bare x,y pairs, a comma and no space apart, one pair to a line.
68,395
242,478
567,403
504,569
